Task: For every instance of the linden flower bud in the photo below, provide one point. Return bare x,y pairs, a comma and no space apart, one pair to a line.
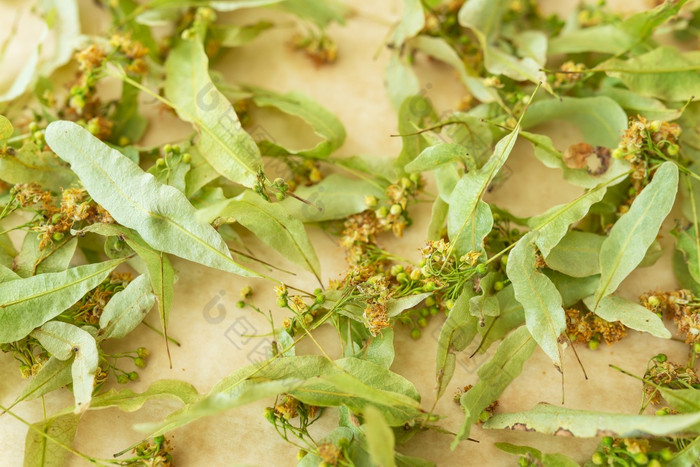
186,158
415,275
653,301
498,286
382,212
672,149
617,153
396,209
160,162
655,125
370,201
415,333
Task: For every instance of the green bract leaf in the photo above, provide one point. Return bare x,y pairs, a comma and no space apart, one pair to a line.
40,451
129,401
634,232
549,460
30,164
632,315
314,380
576,254
687,243
553,225
469,219
324,123
600,119
561,421
412,21
483,16
28,303
401,82
544,315
52,375
223,141
456,334
126,309
6,129
159,213
494,376
65,341
272,224
335,197
664,72
380,438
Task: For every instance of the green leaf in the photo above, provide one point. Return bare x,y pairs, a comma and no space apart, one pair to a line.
401,82
415,113
456,334
600,119
160,271
128,401
6,128
469,219
336,197
494,377
544,315
434,156
665,72
380,438
631,314
499,62
630,237
577,254
484,16
126,309
223,141
554,224
411,23
160,213
324,123
321,12
231,35
635,104
687,242
314,380
549,460
553,420
573,289
53,258
31,164
606,39
65,341
439,49
686,456
53,374
28,303
272,224
40,451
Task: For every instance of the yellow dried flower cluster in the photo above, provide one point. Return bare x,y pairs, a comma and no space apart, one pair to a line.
668,374
75,207
585,327
681,306
89,308
330,453
134,51
570,72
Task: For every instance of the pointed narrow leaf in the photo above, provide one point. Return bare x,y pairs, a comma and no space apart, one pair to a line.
561,421
600,119
324,123
380,438
40,451
494,376
635,231
126,309
224,142
161,214
469,219
65,341
6,129
28,303
456,334
553,225
665,72
631,314
271,223
544,315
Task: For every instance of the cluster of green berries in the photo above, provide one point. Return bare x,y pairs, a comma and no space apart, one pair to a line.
629,452
139,360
